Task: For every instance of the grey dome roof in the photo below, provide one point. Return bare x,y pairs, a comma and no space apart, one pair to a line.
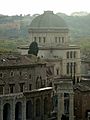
48,20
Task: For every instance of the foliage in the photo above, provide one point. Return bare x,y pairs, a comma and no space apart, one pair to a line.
33,48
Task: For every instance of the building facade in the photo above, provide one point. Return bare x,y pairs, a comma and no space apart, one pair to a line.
24,94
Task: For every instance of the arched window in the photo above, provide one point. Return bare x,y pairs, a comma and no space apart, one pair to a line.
38,107
29,110
7,112
18,111
45,106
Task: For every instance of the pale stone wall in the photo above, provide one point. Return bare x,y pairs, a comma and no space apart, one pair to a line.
49,37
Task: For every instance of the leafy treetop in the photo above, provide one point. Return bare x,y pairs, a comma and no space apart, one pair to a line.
33,48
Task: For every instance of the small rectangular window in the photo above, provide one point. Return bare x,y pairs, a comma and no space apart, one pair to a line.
1,89
30,86
11,88
67,68
44,39
20,73
29,76
71,54
67,54
21,87
1,75
74,67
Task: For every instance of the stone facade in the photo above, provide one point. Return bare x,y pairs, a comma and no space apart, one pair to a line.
24,94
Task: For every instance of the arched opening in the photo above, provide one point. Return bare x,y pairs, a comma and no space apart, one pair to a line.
45,105
18,111
38,107
29,110
7,112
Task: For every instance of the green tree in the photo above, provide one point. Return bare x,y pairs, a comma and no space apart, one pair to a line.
33,48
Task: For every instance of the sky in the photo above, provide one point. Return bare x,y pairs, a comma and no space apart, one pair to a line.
24,7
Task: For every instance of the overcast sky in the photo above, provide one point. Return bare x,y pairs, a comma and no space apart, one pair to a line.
13,7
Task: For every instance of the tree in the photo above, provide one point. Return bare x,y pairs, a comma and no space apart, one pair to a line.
33,48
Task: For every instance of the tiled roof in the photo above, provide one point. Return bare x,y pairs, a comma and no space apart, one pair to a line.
18,60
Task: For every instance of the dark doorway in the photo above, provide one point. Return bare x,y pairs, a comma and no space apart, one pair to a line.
29,110
38,107
6,112
18,111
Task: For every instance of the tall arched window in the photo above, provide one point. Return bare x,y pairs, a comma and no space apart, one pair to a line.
38,107
18,111
7,112
29,110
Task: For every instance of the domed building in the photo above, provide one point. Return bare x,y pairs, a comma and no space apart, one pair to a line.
51,33
48,29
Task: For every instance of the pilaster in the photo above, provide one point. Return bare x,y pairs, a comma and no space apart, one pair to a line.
71,106
60,105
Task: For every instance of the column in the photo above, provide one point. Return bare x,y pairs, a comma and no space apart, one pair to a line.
60,105
71,106
24,109
13,109
1,109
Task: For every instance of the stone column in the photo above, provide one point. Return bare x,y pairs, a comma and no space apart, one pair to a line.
24,109
60,105
1,109
71,106
13,109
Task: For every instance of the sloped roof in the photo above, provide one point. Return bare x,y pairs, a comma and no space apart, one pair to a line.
9,60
